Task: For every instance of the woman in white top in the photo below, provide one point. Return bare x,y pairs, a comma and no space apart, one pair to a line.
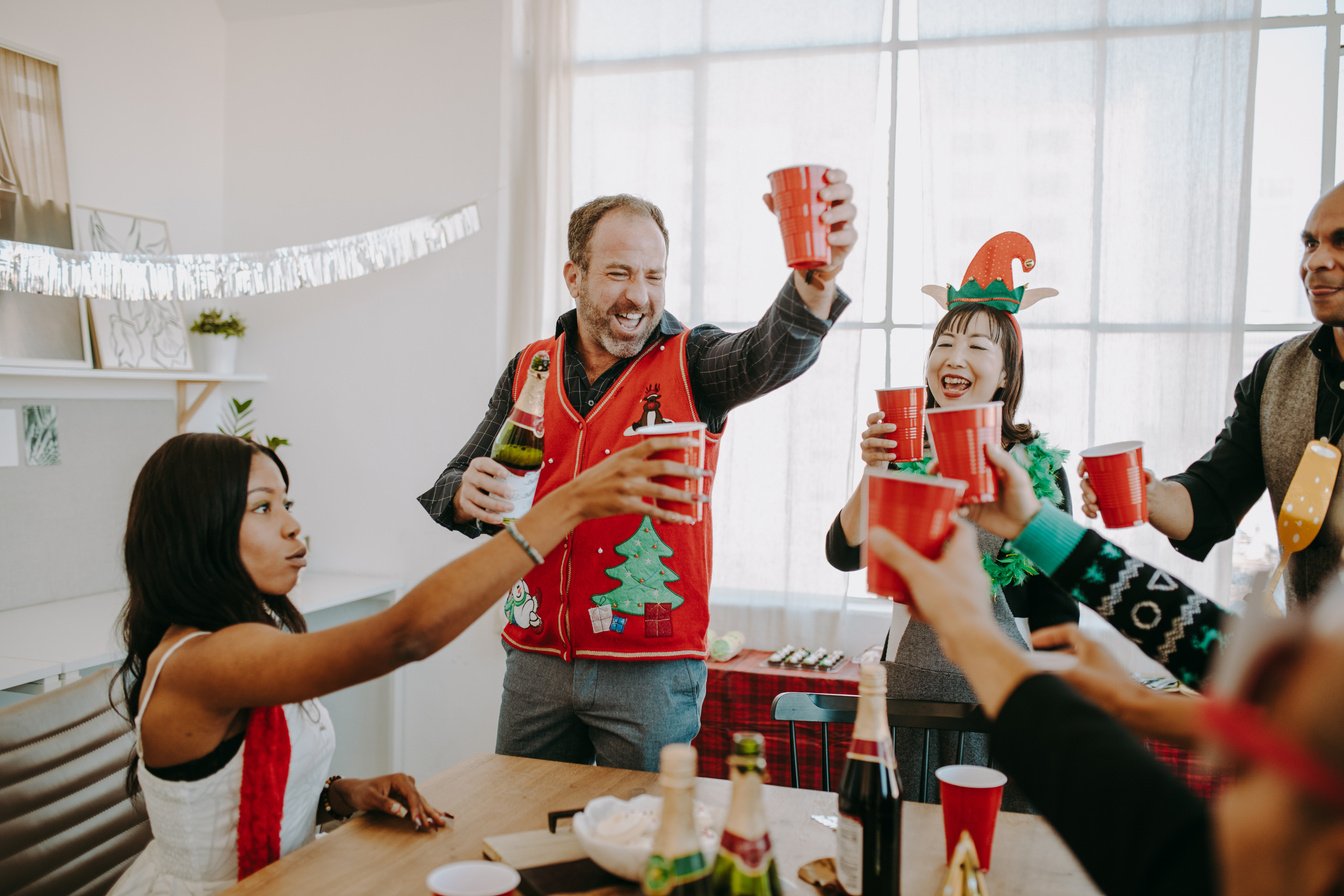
222,677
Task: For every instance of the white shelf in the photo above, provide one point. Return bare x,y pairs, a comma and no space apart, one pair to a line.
85,382
81,632
95,373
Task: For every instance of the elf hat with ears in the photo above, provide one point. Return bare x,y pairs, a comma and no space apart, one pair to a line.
989,279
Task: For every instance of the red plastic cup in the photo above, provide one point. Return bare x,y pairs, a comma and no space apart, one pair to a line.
960,436
918,509
971,795
695,456
904,406
1116,471
472,879
798,206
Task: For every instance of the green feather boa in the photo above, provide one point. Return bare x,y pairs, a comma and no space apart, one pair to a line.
1010,566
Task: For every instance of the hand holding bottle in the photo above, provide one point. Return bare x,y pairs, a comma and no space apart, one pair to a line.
477,498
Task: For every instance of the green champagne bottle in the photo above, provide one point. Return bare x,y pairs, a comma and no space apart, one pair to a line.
520,443
746,863
868,837
676,867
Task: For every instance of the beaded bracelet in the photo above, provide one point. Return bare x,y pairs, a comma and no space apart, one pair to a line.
531,552
326,801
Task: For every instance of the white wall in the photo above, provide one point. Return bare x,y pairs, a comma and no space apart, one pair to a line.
142,103
142,94
275,124
336,123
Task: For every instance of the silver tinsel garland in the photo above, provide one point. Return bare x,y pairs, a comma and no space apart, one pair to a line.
26,267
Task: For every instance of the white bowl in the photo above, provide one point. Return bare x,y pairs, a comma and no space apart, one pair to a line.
626,858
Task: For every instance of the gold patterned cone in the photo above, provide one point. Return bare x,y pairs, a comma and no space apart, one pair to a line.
964,877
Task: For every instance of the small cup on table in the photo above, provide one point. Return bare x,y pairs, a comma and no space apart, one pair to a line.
917,509
971,795
1116,472
478,878
694,456
798,206
904,407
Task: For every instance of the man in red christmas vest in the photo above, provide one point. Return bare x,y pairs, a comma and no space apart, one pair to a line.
605,639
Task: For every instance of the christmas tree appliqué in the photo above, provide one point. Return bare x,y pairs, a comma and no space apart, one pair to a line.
643,576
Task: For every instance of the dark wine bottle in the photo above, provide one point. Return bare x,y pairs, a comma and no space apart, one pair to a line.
520,443
677,866
746,862
868,836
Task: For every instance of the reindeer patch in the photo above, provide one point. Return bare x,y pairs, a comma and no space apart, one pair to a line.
652,412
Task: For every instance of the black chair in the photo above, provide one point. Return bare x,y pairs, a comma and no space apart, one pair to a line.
830,709
67,827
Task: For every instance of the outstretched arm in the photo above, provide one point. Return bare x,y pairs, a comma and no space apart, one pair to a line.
730,369
221,672
1167,619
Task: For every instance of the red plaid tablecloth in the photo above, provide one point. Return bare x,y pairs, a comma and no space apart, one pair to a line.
737,698
1194,772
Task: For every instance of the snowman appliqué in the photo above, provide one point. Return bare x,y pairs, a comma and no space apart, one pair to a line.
520,606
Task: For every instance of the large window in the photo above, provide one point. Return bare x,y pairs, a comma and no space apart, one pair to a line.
1162,157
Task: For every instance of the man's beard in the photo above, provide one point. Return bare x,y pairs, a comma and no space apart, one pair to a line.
600,325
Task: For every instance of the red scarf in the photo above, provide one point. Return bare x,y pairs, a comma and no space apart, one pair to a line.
262,802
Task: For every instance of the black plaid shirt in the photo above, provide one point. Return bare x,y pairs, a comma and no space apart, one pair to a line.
727,369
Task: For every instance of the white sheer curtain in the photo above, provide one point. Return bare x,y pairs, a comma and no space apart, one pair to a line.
691,104
538,188
1117,136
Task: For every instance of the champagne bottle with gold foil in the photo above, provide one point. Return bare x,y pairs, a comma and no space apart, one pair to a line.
520,443
676,867
868,836
746,863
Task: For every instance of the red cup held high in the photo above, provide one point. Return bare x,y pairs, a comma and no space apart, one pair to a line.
904,406
917,509
1116,473
798,206
960,436
695,456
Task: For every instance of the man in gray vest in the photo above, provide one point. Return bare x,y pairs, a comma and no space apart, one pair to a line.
1295,393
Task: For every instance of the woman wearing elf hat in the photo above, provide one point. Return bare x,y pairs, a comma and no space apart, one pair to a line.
975,357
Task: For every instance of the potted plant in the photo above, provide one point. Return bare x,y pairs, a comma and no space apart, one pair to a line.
218,342
236,420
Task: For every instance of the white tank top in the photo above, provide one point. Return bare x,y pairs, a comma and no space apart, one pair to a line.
195,823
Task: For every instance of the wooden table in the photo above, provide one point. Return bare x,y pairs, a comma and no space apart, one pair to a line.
493,795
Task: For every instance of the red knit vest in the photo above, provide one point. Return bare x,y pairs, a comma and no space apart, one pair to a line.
625,587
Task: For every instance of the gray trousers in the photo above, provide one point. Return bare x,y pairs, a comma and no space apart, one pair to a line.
617,714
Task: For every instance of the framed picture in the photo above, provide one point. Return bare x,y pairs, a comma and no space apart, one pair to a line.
132,335
46,331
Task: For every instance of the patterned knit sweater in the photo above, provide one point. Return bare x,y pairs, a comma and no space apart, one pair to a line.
1167,619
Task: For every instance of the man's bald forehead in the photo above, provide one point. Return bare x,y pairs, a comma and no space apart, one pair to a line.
1330,203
